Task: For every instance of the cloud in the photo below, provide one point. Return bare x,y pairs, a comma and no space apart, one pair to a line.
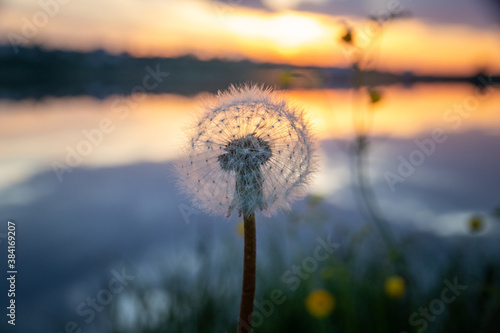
288,4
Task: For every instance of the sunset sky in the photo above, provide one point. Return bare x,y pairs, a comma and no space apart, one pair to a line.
452,37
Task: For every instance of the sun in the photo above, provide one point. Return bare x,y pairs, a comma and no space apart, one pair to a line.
291,31
287,33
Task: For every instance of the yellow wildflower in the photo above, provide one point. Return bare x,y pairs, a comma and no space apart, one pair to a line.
395,287
320,303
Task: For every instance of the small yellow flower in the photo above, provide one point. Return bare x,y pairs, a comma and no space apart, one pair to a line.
476,223
320,303
395,287
240,228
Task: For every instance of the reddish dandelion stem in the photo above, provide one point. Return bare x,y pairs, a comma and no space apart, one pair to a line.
249,264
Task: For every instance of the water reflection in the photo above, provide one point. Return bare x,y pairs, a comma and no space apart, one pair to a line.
82,131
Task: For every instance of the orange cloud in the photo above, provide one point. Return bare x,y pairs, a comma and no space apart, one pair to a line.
210,29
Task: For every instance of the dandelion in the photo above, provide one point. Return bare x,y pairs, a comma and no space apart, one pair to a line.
250,151
395,287
320,303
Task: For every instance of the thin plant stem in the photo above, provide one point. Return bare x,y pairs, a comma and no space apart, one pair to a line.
249,269
369,200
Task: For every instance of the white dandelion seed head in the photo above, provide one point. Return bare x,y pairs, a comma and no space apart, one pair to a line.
250,150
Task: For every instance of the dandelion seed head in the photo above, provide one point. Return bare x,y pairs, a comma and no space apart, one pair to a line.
249,150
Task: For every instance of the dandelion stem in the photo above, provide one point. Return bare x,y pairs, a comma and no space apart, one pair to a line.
249,264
